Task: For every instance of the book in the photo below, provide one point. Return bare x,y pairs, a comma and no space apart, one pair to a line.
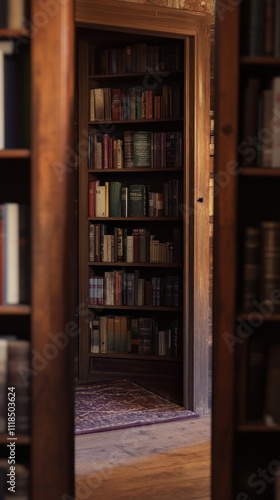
111,333
100,201
275,159
103,334
128,149
91,198
95,335
24,255
6,49
99,110
267,117
17,121
18,366
142,149
3,384
117,329
116,104
16,13
256,374
145,336
276,28
91,243
269,263
124,324
251,266
272,395
269,33
11,255
136,200
4,14
249,122
115,201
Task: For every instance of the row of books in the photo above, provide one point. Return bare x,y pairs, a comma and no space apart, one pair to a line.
13,14
14,386
260,141
14,95
261,268
134,103
120,288
14,483
125,334
137,58
135,149
261,28
123,244
263,381
14,254
114,199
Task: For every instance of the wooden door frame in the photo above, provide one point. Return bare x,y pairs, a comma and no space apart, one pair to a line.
194,28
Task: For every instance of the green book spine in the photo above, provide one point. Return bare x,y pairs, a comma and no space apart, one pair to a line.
142,149
136,200
115,199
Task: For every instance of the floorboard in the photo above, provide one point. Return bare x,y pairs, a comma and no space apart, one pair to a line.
163,461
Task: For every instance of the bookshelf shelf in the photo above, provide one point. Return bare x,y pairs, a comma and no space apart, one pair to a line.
260,61
265,318
147,218
136,121
15,153
137,308
138,357
20,440
129,76
260,172
134,170
258,427
13,34
16,310
136,264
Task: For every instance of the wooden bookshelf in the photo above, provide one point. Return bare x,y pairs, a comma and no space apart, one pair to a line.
28,177
115,25
243,442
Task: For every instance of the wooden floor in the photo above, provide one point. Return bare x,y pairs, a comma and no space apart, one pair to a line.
163,461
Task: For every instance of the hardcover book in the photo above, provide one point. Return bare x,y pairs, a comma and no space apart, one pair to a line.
136,204
115,200
142,149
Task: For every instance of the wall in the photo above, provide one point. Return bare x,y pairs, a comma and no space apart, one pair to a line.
196,5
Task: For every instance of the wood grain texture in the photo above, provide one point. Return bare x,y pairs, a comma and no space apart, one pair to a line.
224,313
170,460
52,80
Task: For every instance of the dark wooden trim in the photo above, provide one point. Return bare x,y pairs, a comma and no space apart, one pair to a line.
52,81
224,307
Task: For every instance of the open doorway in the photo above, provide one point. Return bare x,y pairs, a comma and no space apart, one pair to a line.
183,377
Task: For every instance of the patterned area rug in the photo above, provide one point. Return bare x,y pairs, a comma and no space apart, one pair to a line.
121,404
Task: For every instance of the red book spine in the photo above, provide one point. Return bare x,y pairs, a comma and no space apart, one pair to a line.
116,100
91,199
105,151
